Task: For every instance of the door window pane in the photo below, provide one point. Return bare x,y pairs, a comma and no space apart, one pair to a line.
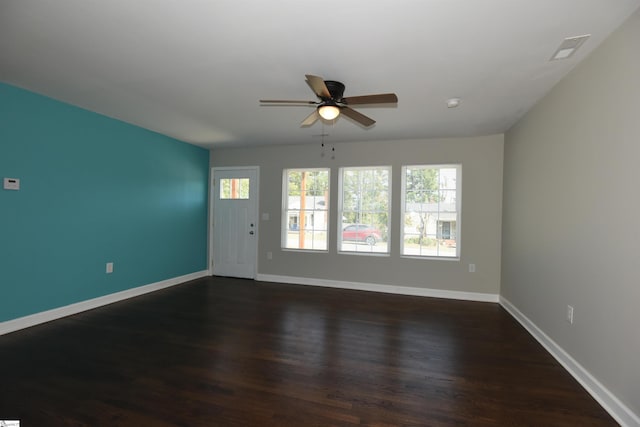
234,188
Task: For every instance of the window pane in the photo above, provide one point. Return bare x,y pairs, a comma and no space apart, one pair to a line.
430,211
234,188
306,215
364,209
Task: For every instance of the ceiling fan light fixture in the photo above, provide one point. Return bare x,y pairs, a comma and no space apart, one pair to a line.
329,112
332,104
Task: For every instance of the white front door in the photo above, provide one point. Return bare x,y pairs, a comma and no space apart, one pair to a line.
235,225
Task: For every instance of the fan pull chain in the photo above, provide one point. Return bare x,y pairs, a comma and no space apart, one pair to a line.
322,143
322,146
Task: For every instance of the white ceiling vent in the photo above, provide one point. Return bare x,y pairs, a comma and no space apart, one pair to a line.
569,46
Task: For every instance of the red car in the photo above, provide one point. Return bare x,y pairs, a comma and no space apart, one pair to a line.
361,233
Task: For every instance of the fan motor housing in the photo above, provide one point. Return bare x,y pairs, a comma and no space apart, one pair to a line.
336,89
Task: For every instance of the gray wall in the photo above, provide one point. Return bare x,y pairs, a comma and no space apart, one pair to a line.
481,193
571,219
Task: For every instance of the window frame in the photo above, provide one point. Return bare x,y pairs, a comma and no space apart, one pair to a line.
284,225
339,213
458,206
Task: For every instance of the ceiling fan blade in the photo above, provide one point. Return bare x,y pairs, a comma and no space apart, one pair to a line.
285,101
318,86
311,119
381,98
358,117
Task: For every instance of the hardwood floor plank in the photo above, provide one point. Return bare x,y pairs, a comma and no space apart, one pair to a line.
232,352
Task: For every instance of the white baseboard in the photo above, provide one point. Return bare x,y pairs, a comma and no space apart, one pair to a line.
374,287
60,312
618,410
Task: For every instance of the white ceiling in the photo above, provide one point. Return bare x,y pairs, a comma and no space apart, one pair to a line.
195,69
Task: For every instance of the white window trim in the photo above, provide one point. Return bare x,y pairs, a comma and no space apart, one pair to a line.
339,212
403,184
284,226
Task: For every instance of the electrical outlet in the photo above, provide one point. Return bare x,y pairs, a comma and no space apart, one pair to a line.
109,267
570,314
472,268
269,255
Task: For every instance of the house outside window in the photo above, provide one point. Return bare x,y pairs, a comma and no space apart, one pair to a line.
305,218
364,210
431,211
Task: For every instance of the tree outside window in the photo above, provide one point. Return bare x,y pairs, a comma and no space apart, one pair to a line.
234,188
306,209
430,210
364,210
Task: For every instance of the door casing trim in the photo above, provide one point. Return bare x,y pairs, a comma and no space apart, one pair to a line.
211,207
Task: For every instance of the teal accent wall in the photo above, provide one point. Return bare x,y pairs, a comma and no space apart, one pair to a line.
93,190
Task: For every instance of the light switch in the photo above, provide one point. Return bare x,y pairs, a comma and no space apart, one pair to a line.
11,184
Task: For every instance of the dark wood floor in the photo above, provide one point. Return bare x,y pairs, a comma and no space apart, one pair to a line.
229,352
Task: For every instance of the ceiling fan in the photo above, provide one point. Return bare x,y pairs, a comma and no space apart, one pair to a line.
332,103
